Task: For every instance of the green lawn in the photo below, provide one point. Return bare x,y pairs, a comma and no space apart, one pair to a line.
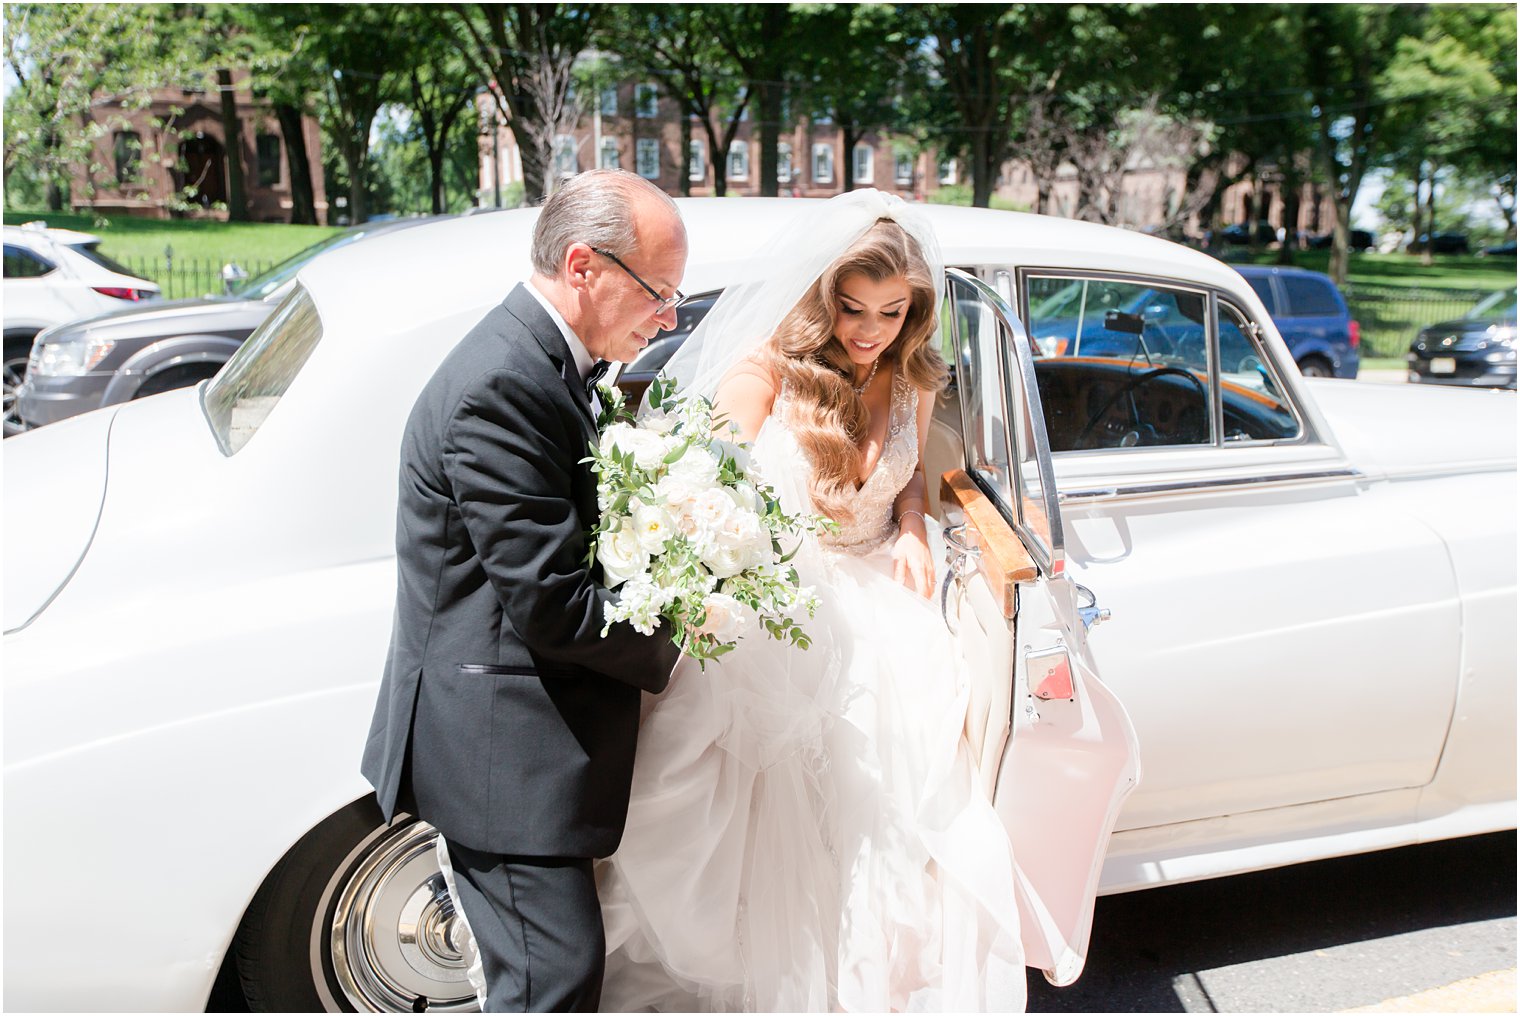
125,237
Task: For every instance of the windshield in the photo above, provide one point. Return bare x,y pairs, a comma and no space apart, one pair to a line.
242,395
265,283
1498,305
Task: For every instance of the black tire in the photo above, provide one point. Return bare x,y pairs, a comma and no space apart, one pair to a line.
177,377
322,934
18,349
1315,366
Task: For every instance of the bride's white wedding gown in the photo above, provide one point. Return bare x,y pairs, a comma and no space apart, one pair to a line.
806,830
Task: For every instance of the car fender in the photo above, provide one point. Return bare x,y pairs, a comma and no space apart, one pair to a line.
163,355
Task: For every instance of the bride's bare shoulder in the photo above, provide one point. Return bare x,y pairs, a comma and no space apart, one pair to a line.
746,396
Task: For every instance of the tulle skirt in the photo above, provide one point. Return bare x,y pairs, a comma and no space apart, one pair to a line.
807,831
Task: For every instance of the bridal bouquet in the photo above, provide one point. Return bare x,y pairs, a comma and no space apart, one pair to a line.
687,534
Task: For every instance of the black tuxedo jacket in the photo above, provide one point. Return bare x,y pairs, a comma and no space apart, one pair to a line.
504,718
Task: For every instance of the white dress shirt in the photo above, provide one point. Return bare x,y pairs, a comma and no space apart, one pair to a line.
578,350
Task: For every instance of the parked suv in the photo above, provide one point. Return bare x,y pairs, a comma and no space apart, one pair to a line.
53,276
174,344
1312,316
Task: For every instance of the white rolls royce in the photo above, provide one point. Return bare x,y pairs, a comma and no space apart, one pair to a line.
1223,618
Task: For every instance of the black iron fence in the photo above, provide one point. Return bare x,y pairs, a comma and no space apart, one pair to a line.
189,277
1390,316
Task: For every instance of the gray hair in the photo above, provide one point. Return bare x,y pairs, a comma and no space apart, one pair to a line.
597,208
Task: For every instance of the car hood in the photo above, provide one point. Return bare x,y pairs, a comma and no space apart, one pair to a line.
55,485
1394,430
176,317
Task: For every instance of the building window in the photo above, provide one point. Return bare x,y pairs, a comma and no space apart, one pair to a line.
947,171
903,171
738,160
646,101
698,170
823,163
609,101
783,162
649,158
565,163
269,160
865,164
128,152
609,154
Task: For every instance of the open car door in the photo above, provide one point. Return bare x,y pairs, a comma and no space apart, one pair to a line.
1055,747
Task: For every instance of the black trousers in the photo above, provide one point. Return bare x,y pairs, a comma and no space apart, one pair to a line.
538,925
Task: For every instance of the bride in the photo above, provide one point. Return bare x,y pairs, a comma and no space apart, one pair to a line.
806,830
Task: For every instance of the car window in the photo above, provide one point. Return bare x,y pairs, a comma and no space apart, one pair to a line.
242,395
1255,407
109,264
21,263
1120,364
1262,284
1310,297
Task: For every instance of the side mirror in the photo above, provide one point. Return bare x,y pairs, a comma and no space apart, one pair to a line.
232,274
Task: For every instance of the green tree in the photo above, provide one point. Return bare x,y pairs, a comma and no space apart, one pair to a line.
65,57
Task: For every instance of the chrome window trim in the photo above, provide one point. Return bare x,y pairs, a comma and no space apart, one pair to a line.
1306,434
1091,495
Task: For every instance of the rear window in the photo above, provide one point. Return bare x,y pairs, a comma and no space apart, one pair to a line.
1310,297
241,397
1263,287
110,265
23,264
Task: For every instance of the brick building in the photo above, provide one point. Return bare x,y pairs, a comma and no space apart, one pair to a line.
146,157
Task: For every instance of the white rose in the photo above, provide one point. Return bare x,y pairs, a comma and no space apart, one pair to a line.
621,555
726,618
709,509
654,526
738,528
724,562
613,436
696,467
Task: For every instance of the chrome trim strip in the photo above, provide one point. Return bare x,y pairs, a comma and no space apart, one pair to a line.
1092,494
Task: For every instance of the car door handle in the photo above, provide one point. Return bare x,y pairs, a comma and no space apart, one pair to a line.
1090,612
959,555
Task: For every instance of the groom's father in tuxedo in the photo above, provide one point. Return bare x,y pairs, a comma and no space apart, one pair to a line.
504,718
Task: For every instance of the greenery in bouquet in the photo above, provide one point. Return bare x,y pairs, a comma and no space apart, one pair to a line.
687,534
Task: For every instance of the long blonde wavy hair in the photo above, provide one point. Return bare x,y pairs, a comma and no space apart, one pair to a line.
828,419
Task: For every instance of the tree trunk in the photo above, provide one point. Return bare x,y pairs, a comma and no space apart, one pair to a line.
1340,242
232,132
303,202
849,135
770,129
1291,200
983,173
355,160
685,154
533,165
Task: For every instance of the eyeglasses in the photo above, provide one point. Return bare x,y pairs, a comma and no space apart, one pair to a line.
665,302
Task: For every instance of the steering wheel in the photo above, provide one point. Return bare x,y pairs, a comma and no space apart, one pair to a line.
1082,440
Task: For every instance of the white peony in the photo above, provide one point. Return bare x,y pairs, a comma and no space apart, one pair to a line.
709,509
647,448
726,620
621,554
659,421
654,526
696,467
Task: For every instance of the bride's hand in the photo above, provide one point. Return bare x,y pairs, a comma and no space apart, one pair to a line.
912,564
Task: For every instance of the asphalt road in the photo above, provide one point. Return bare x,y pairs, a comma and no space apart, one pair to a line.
1317,937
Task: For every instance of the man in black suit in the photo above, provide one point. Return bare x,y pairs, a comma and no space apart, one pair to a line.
504,718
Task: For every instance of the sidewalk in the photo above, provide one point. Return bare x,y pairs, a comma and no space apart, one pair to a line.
1493,992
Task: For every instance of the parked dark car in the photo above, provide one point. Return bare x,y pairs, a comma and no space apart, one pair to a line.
1440,243
1308,309
1240,233
1476,351
1499,250
131,354
1360,239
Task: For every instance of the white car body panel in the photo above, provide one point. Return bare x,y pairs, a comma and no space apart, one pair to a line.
174,724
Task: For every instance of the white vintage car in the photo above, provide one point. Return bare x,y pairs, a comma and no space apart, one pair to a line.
1303,593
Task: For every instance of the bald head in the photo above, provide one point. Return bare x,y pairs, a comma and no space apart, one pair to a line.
608,208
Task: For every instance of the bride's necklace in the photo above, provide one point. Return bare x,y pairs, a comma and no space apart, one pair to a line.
861,388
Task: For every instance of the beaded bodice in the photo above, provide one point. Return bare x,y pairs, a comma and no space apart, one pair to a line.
872,523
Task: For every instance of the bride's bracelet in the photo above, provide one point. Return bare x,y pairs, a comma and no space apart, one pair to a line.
912,511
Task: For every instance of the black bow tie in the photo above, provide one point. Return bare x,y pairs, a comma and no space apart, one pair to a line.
598,371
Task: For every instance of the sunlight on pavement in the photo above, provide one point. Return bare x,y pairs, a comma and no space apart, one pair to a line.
1493,992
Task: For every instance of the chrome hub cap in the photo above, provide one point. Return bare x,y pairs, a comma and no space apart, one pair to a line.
397,944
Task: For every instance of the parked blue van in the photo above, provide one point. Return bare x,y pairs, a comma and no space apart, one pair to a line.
1312,316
